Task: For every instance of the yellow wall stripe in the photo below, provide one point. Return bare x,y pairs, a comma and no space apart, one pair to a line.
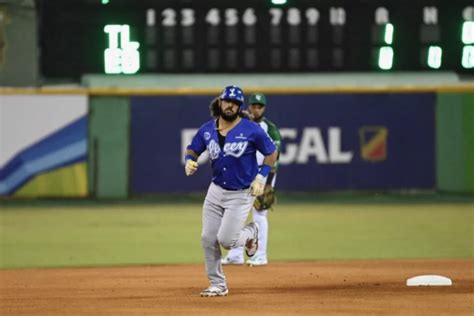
455,88
70,181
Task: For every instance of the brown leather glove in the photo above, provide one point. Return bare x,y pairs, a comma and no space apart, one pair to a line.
266,200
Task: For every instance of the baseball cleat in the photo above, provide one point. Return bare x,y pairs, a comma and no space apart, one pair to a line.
251,245
232,261
214,291
257,261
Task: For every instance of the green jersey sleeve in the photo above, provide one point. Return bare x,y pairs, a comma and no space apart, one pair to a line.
274,134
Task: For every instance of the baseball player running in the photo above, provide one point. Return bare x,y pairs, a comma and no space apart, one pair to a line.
262,203
232,143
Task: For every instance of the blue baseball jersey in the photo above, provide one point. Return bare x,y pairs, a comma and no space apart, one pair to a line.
235,165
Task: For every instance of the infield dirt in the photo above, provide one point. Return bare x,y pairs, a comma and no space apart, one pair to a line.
375,287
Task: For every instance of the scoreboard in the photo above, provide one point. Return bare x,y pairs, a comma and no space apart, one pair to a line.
248,36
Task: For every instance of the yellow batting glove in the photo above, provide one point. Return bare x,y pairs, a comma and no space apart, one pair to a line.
190,167
258,185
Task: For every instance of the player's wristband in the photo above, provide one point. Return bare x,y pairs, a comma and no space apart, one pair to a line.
187,157
265,170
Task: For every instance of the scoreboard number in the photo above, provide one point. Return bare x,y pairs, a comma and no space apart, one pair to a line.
276,14
169,17
231,17
249,18
187,17
293,17
213,17
312,15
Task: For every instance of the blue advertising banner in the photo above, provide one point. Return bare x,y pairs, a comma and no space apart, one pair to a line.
329,142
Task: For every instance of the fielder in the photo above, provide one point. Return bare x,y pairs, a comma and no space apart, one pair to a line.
232,143
262,203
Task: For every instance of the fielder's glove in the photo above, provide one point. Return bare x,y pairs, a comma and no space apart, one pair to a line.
190,167
258,185
266,200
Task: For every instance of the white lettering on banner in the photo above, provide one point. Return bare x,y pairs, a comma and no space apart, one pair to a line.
312,144
288,156
335,153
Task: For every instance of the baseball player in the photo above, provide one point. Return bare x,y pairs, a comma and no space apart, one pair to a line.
262,203
232,143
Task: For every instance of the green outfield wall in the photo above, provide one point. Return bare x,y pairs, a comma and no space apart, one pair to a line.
455,142
109,147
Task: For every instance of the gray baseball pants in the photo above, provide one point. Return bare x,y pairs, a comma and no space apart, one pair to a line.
223,224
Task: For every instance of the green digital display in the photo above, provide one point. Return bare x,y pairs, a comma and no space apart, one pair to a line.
468,33
468,40
122,55
468,57
388,33
435,56
385,58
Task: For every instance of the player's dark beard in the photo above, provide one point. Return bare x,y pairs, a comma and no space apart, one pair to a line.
229,118
258,119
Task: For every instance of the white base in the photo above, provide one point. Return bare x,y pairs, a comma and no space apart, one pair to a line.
429,280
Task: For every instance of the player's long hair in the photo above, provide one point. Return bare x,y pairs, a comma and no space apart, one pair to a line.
215,109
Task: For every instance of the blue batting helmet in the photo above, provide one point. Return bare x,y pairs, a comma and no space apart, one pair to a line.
232,93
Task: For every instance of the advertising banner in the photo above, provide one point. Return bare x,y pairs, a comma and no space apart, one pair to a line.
43,145
329,142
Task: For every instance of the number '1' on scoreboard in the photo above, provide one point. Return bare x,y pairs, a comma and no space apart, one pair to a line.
385,61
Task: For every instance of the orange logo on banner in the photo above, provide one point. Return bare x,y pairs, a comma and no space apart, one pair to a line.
373,143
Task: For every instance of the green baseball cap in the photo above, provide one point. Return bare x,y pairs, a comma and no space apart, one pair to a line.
258,98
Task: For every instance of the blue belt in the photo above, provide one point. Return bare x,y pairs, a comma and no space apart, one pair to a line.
231,189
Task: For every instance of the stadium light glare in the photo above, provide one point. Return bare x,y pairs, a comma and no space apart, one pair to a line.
105,1
279,1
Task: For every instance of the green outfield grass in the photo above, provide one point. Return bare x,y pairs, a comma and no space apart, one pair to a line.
90,234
